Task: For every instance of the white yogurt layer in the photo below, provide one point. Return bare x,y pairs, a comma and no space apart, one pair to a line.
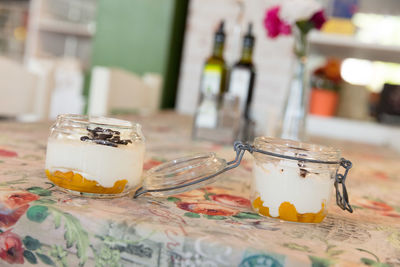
278,183
100,163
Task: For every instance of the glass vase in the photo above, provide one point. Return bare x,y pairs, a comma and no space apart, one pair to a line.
294,115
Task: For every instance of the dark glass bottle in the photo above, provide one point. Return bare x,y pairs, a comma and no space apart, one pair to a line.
243,73
241,84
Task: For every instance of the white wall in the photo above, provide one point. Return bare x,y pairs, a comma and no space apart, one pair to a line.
272,57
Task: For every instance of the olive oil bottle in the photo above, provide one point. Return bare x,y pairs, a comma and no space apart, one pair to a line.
242,76
214,72
241,84
212,88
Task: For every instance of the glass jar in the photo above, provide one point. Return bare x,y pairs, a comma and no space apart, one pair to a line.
95,156
294,181
103,157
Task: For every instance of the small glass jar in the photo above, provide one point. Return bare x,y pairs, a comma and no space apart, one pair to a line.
103,157
294,181
95,156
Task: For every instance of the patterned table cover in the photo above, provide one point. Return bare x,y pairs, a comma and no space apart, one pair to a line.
212,226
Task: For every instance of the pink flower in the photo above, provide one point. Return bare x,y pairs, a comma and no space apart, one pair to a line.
11,249
233,201
274,24
15,199
374,205
318,19
151,163
207,208
13,204
9,217
7,153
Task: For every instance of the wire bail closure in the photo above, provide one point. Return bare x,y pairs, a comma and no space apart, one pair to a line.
342,199
240,149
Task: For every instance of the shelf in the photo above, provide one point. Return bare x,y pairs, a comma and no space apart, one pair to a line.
69,28
347,46
354,130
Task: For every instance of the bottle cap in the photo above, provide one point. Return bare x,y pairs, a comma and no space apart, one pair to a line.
249,38
220,34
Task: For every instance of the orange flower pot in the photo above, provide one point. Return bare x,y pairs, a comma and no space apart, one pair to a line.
323,102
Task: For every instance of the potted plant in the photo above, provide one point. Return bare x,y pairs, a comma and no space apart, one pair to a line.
325,83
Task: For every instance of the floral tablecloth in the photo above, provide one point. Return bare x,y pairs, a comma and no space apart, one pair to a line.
212,226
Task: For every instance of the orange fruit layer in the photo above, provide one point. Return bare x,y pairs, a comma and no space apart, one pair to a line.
288,212
258,205
76,182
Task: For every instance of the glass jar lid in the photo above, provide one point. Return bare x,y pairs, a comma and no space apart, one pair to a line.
182,174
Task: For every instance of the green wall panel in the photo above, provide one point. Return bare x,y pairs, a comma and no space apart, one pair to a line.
141,36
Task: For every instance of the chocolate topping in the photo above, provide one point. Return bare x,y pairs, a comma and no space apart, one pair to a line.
301,164
84,138
105,137
303,173
298,148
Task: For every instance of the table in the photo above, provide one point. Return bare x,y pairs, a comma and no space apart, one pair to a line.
211,226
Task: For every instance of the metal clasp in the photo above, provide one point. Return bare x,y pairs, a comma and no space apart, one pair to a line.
342,199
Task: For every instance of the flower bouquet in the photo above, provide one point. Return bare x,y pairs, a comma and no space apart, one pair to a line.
296,17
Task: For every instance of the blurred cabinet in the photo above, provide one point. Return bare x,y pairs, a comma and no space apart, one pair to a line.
343,46
61,28
375,39
13,22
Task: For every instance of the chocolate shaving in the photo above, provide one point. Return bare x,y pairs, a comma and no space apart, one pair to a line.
301,164
303,173
104,142
105,137
298,148
115,139
84,138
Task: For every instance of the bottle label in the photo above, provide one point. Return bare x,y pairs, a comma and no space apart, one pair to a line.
207,114
239,85
211,80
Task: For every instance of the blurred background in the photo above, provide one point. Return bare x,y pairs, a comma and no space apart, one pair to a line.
139,57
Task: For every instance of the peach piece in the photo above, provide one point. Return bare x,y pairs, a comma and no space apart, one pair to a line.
76,182
288,212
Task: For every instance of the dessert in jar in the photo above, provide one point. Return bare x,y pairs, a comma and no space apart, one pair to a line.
291,186
95,156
